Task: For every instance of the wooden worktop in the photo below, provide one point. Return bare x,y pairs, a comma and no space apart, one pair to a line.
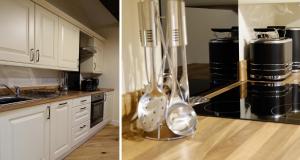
35,102
220,138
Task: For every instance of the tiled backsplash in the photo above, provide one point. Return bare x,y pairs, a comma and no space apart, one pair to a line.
24,77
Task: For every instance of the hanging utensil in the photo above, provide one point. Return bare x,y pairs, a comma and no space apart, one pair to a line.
152,105
184,82
180,117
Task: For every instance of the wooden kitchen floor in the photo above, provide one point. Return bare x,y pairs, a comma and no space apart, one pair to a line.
103,146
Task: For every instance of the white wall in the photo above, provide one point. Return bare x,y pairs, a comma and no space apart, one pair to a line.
263,15
23,77
133,64
199,24
289,15
110,77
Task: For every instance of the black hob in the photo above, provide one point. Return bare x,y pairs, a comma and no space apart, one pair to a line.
273,102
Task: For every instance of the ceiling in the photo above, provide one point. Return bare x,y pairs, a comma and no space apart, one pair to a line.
91,13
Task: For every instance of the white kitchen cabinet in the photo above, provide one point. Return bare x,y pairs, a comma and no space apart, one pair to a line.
17,31
46,37
93,64
25,134
108,106
68,45
60,135
81,115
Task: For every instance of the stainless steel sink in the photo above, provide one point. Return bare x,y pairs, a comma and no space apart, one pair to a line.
8,100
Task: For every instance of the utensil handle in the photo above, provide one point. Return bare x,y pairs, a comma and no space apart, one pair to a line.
153,72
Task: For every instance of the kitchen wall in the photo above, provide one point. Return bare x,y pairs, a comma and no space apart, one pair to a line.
262,15
199,33
199,24
132,60
288,15
110,77
22,76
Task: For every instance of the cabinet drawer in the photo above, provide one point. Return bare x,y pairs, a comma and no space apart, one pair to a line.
80,114
80,132
62,104
82,101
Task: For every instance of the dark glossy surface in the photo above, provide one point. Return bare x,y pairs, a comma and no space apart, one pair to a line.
8,100
42,94
206,86
256,101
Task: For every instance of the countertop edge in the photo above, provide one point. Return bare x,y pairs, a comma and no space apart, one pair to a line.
43,101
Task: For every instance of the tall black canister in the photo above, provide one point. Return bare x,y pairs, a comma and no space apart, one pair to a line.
224,54
294,33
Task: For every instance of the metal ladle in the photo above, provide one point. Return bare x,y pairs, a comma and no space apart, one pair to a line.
180,117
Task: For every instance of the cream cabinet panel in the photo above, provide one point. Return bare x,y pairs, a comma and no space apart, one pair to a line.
98,58
46,37
25,134
60,129
108,106
94,64
17,31
68,45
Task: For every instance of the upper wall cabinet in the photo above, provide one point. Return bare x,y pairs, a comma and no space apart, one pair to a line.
32,36
46,37
68,45
93,64
17,31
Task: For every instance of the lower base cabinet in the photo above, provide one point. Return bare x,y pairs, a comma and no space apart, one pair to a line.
25,134
47,132
60,134
108,106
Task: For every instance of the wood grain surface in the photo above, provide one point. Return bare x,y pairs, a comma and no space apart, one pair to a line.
219,139
103,146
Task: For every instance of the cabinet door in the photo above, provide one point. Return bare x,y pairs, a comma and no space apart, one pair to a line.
68,45
108,106
25,134
98,57
46,37
17,31
60,129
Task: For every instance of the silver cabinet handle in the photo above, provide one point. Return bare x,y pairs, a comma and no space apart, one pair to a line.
95,65
83,101
31,55
82,126
83,108
37,55
49,112
63,103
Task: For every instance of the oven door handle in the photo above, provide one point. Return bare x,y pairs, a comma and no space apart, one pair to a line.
97,102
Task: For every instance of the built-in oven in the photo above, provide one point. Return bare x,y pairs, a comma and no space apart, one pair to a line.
97,108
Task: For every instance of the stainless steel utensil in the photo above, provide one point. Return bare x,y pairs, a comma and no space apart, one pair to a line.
152,105
180,117
184,82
